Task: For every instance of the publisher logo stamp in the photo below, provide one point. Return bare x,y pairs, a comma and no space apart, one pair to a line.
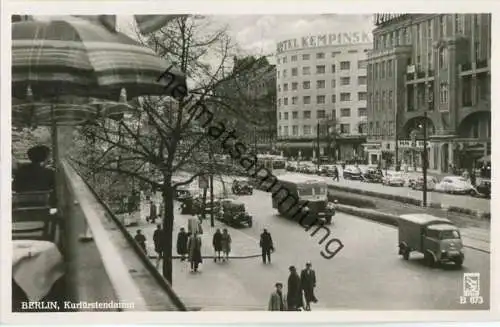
471,289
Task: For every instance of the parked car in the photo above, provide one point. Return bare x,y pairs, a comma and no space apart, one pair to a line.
307,168
438,239
182,195
327,170
455,185
352,172
372,175
418,183
484,188
393,179
241,188
233,213
291,166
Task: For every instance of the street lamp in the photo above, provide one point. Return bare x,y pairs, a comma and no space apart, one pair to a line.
430,102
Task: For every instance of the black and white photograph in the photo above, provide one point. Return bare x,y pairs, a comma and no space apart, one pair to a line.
250,162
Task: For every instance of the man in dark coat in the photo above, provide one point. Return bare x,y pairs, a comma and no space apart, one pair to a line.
308,282
266,244
217,244
194,249
182,244
158,240
294,295
141,240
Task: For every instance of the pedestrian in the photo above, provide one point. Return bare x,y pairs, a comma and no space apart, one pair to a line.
158,240
226,244
277,300
141,240
182,244
335,173
266,244
146,207
294,294
153,212
194,247
308,283
217,244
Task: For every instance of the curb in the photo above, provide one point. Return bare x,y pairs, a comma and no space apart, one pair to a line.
478,214
251,256
382,218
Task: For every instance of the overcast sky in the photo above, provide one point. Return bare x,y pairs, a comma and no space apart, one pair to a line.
258,34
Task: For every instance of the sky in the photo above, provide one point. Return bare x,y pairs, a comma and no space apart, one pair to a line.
258,34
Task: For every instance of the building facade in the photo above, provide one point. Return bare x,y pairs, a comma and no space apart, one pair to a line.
321,95
431,69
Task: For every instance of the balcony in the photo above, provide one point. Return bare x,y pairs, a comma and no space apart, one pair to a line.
107,264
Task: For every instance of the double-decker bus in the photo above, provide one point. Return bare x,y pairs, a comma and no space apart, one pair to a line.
305,189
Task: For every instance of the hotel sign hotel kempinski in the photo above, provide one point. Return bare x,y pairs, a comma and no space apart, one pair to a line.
325,40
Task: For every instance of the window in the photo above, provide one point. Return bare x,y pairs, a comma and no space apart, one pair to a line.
345,80
361,80
320,99
429,31
390,100
280,132
376,102
389,68
334,114
306,99
294,71
345,128
320,55
442,58
345,112
345,65
286,115
334,83
459,24
279,103
284,60
334,98
279,87
295,130
375,70
382,70
307,129
361,96
295,85
442,26
320,114
477,51
278,74
285,101
285,131
320,69
429,60
377,128
362,112
333,68
320,84
295,100
443,93
345,96
307,114
306,56
306,70
362,128
306,85
352,51
361,64
284,73
285,87
382,105
335,53
294,58
279,61
295,114
279,116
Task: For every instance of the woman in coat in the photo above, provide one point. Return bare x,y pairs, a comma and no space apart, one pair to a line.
294,295
194,247
217,244
226,244
182,244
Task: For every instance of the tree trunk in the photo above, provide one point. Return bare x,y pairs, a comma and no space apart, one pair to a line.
168,229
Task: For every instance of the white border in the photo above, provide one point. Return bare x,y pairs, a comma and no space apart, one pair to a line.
230,8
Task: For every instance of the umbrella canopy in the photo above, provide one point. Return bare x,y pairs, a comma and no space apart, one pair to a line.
76,57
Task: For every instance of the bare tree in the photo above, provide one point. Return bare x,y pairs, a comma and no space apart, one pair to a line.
159,138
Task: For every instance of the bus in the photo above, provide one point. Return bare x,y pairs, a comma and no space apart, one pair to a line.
276,165
305,189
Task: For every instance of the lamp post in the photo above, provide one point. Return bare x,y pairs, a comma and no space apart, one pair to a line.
424,154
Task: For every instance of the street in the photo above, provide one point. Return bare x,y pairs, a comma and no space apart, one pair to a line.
367,274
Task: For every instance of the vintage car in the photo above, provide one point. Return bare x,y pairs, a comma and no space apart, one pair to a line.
233,213
455,185
352,172
393,179
182,195
438,239
327,170
484,188
241,188
418,183
194,206
372,175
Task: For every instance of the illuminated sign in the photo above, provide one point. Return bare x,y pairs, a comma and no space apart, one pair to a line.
325,40
384,18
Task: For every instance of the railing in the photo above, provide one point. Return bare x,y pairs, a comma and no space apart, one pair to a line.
106,265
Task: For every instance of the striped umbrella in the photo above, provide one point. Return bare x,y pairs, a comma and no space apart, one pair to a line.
73,56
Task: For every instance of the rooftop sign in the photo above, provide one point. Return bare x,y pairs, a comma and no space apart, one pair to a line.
384,18
324,40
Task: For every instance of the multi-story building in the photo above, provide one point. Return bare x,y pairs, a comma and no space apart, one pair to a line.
435,66
321,82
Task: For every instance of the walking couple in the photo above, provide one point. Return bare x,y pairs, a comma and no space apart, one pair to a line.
190,244
221,243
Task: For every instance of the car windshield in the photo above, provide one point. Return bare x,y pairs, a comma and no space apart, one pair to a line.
449,235
305,190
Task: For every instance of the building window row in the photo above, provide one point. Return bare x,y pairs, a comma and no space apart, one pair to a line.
319,55
386,128
321,84
381,70
381,101
321,114
308,130
321,69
